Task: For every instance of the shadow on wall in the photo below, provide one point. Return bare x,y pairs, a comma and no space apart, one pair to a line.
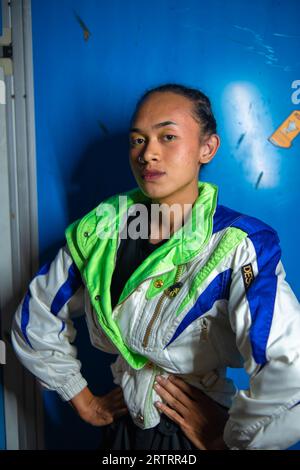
102,170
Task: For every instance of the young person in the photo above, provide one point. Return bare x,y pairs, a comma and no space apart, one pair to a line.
179,303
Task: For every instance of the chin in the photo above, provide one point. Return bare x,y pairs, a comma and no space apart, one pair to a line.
153,192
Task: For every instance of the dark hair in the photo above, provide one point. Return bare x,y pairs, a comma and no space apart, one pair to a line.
202,110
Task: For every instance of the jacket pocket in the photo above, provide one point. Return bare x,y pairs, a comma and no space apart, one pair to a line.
206,338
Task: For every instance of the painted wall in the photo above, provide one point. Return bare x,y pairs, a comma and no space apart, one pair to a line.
94,58
2,421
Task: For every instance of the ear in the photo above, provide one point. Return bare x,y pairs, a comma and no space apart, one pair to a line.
209,148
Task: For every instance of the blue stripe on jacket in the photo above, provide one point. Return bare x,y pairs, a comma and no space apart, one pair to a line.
25,313
218,289
224,217
262,292
65,292
25,316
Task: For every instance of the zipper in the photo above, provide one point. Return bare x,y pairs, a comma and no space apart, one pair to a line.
168,293
156,369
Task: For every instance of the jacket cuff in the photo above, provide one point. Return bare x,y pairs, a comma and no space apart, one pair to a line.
235,438
75,385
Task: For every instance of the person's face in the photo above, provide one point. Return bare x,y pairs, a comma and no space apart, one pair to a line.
165,138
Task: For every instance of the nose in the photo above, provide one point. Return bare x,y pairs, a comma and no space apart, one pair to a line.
150,152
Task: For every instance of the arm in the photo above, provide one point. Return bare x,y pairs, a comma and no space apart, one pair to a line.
42,329
265,316
42,336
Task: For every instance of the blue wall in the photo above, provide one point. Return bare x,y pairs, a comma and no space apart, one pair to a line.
244,55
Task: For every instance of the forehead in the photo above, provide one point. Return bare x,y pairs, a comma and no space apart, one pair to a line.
165,106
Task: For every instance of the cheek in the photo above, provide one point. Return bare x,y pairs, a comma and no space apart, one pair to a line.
133,156
182,157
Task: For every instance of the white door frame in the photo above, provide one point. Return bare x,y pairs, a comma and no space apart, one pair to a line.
18,223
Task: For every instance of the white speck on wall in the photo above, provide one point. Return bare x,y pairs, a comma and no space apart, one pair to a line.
2,92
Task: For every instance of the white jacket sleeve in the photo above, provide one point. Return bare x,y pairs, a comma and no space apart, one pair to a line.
265,316
42,328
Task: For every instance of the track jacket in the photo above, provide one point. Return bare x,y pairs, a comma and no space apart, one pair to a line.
207,298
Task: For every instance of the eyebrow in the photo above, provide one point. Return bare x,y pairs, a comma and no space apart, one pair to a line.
155,126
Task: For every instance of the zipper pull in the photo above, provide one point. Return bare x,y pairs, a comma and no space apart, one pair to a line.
173,290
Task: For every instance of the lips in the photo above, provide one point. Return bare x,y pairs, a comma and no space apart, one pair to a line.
152,174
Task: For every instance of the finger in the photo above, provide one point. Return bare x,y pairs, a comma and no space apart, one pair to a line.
115,392
109,402
117,404
184,425
101,418
194,392
175,398
181,395
171,413
116,397
188,389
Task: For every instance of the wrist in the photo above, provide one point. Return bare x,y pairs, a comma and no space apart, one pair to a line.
81,401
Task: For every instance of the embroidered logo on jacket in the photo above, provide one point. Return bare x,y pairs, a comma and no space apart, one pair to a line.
248,275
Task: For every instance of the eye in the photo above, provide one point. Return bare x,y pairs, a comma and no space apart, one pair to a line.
137,141
169,137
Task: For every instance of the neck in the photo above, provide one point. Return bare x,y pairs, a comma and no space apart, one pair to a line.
172,218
